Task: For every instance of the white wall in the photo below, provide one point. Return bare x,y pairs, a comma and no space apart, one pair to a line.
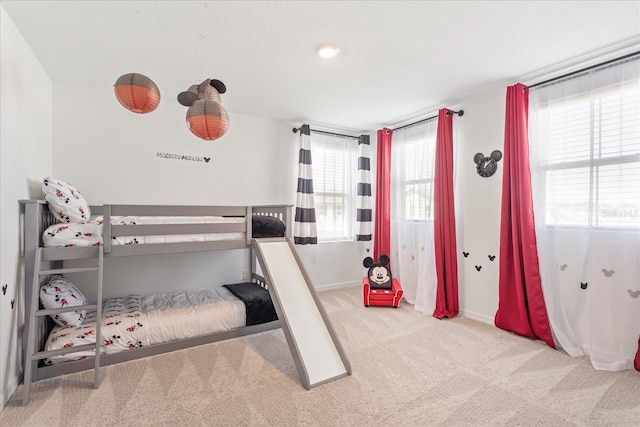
335,264
25,156
110,155
482,128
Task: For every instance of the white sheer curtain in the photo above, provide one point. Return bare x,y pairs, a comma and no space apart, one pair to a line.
412,174
584,134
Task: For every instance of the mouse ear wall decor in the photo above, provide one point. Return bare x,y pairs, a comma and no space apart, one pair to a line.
137,93
487,166
206,117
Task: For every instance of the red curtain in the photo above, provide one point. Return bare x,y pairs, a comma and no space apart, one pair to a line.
521,307
444,221
382,226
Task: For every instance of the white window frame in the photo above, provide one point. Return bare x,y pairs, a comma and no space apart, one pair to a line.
332,200
425,212
595,162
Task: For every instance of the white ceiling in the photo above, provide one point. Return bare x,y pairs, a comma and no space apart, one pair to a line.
399,59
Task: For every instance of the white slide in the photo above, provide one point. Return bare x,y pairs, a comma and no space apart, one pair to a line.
316,350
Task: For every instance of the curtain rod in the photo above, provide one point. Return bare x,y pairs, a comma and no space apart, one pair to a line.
295,130
573,73
459,113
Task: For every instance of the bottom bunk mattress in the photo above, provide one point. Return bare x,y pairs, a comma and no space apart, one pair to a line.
138,321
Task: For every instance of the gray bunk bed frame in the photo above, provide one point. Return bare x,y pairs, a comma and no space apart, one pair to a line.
37,217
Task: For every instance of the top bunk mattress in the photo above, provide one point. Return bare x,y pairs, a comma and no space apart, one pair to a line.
76,226
90,233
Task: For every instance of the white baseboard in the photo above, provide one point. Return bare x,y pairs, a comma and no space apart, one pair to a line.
477,316
329,286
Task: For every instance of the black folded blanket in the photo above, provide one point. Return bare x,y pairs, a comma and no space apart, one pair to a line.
257,301
267,226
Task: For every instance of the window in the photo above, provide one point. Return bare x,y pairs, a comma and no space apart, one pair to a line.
413,157
334,172
590,156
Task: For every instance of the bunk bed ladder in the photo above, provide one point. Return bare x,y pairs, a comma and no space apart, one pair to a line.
32,355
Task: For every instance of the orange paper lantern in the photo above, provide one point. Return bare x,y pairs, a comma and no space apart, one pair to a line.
207,119
137,93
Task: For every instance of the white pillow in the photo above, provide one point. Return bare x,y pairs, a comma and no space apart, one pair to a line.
65,201
69,235
58,292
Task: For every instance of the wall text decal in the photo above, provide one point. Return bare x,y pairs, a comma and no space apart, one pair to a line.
183,157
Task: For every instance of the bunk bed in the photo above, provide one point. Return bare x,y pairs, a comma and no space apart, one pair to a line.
109,232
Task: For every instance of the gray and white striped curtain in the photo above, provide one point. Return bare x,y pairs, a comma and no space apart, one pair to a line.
304,228
364,210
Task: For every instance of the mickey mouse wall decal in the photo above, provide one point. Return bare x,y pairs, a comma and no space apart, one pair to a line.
608,273
487,166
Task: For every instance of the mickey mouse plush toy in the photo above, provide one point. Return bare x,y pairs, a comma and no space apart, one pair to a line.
379,275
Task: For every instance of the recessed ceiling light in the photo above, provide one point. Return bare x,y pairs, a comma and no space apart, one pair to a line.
327,50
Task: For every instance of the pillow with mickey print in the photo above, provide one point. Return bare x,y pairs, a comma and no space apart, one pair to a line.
65,201
59,292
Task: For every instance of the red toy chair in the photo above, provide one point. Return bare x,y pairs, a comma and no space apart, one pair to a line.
381,297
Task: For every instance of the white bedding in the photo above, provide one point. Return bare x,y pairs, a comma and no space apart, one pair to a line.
90,233
136,321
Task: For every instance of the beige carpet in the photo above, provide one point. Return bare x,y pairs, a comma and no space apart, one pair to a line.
408,370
